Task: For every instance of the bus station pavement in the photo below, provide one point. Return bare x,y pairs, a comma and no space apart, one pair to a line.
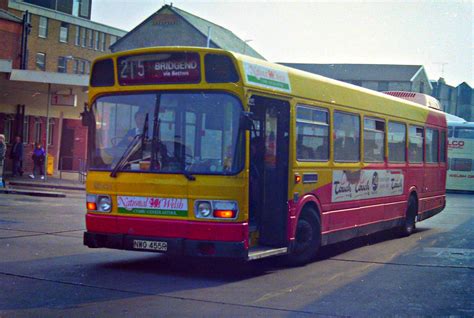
51,186
45,271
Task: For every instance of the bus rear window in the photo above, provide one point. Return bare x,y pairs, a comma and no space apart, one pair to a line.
220,69
102,73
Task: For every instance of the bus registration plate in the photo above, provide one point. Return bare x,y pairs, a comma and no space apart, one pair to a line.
150,245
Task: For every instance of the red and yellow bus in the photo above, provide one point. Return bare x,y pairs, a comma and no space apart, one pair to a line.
204,152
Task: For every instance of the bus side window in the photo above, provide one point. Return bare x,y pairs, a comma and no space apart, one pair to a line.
396,142
346,137
431,145
415,144
312,126
374,140
442,148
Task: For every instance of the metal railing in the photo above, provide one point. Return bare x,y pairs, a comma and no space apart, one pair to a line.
71,164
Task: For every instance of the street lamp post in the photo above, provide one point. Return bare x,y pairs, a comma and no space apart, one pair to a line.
245,44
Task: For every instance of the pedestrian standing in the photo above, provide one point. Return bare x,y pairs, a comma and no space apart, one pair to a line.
3,151
38,160
16,155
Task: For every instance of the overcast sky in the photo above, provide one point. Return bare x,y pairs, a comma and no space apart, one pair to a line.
432,33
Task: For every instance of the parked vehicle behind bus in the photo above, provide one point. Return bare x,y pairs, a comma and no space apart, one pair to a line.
460,156
238,157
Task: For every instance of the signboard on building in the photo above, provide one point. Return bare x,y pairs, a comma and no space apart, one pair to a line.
64,100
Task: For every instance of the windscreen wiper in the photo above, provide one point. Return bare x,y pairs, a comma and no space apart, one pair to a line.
134,145
189,176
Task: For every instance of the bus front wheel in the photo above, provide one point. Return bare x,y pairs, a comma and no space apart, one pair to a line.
307,238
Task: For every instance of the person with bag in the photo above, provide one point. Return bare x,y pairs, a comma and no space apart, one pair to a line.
38,157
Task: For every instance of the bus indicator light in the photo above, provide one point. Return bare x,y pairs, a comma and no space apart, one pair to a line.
297,178
224,214
92,206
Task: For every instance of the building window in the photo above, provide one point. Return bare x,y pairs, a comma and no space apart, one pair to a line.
82,67
8,129
75,66
312,128
96,40
41,61
62,64
83,37
113,39
102,38
51,132
37,130
396,142
415,144
26,129
382,86
90,39
88,67
374,140
43,27
422,87
63,32
346,137
77,38
85,9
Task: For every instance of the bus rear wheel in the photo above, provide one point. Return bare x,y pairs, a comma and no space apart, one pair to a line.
409,224
307,239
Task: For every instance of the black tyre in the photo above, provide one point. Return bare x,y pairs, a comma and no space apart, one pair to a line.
307,240
409,224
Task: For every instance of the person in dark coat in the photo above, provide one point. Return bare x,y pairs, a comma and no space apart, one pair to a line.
3,151
38,157
16,155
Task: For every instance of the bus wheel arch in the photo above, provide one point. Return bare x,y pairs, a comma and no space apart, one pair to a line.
307,237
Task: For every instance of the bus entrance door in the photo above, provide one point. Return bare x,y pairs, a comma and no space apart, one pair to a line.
269,170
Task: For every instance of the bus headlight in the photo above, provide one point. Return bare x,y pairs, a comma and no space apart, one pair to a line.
203,209
216,209
104,204
98,203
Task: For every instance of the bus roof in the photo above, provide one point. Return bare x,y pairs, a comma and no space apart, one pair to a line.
454,119
304,85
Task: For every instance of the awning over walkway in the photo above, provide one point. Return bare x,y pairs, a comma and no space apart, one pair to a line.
49,77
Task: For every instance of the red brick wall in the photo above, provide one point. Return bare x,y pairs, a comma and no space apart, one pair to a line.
10,41
79,145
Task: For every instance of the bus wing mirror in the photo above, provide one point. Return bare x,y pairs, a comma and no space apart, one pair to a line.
246,121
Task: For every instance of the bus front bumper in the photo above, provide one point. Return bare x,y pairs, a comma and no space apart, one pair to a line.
170,246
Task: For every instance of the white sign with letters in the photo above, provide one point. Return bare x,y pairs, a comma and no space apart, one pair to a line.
365,184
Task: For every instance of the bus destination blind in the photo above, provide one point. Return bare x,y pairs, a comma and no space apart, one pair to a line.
159,68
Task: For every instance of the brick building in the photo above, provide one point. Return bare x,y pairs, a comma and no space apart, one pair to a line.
42,101
11,28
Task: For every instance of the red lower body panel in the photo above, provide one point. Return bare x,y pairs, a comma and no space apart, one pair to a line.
206,231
